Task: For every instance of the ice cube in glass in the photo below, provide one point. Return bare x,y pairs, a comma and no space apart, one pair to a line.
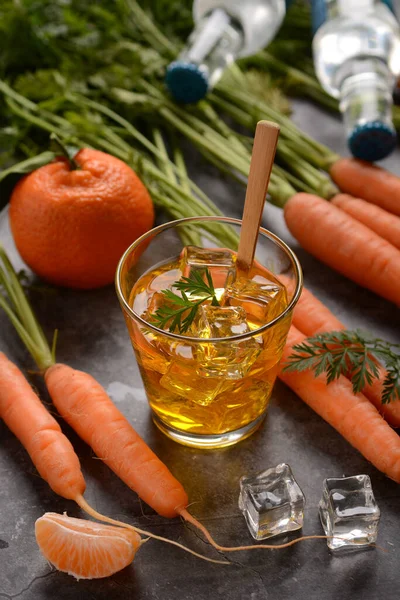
219,261
164,280
181,379
349,512
149,354
272,502
228,359
261,298
155,301
159,300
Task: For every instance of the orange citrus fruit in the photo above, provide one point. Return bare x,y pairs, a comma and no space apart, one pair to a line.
72,226
85,549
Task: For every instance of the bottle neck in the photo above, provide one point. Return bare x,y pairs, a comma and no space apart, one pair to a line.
366,105
366,93
213,45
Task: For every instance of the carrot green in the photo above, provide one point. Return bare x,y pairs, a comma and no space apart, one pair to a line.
16,306
182,313
356,352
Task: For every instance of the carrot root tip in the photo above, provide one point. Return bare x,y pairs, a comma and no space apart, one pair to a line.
100,517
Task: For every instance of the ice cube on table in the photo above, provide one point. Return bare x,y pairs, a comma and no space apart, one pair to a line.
263,300
349,512
272,502
181,379
229,359
219,261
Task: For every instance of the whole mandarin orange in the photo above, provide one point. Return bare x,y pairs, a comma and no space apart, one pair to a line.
72,226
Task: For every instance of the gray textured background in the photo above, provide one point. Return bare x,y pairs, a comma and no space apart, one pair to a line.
92,337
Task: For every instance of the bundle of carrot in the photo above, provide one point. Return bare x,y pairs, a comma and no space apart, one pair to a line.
335,233
86,407
360,418
353,416
312,317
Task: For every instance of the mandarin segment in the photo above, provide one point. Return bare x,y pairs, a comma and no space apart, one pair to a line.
85,549
72,227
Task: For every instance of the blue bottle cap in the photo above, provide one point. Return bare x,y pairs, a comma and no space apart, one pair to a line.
186,82
372,141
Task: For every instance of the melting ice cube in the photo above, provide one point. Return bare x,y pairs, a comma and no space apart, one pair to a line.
156,350
263,300
149,353
227,359
272,502
156,301
348,512
242,402
159,300
183,380
219,261
163,280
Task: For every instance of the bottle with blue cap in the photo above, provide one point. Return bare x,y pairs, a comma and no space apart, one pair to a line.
356,50
224,31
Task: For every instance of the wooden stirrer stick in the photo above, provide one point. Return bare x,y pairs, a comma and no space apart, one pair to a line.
262,158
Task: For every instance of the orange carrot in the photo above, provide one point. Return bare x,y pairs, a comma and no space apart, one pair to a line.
311,317
353,416
345,244
376,218
53,454
49,449
363,180
84,404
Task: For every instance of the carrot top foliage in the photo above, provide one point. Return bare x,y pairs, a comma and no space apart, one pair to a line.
101,84
16,306
350,352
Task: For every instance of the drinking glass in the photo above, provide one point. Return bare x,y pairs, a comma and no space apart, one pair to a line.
206,392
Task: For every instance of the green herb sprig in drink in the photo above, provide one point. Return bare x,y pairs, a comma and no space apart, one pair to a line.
180,316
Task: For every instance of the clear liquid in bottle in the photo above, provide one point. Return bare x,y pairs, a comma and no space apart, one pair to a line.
356,51
224,31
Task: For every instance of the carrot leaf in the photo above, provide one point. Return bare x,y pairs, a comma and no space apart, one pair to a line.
29,164
391,385
14,302
354,353
179,312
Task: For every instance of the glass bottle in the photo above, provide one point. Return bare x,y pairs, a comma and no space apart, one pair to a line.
356,50
224,31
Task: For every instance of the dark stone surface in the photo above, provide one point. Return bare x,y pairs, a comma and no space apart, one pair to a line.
92,337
